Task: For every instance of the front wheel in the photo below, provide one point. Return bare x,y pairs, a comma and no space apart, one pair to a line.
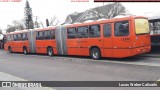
95,54
10,49
50,51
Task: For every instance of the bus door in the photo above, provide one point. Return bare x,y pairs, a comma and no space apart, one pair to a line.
14,44
83,41
89,36
73,42
45,38
121,39
95,37
9,39
107,40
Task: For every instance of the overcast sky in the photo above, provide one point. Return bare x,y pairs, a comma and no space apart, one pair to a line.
10,11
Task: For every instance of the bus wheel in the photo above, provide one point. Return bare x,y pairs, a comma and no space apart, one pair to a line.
25,51
10,49
50,51
95,54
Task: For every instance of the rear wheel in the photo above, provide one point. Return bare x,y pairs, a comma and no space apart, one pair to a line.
25,51
10,49
50,51
95,53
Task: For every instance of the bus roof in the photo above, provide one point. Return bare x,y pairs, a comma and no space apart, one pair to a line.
47,28
106,21
27,30
17,32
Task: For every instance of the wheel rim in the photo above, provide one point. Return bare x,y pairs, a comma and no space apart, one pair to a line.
49,52
10,50
25,51
95,54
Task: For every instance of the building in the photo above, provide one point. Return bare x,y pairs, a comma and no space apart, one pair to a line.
106,11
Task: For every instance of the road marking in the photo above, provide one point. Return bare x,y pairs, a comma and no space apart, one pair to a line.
8,77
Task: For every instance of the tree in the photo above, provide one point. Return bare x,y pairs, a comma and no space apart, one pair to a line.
115,10
111,10
16,25
36,24
53,21
28,16
10,28
41,23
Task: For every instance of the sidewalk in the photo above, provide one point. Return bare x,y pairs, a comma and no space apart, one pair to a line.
151,55
7,77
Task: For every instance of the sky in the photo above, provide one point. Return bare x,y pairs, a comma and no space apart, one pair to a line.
10,11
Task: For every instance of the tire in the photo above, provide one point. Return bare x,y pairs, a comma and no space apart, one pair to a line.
50,51
10,49
25,51
95,54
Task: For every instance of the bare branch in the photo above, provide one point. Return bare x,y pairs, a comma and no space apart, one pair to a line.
114,9
41,23
53,21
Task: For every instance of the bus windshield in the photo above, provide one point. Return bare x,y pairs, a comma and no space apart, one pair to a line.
141,26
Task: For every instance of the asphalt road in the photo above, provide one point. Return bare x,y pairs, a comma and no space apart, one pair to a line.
144,67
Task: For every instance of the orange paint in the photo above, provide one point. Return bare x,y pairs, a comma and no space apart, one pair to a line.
114,45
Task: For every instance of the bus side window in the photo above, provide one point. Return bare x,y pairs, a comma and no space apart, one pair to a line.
15,37
121,28
79,32
41,35
47,35
9,38
24,36
82,32
71,33
107,30
85,32
94,31
37,35
19,37
52,36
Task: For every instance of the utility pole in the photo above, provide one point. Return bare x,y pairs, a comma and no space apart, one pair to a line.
36,22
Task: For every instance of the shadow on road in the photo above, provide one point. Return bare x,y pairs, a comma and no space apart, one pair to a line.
155,50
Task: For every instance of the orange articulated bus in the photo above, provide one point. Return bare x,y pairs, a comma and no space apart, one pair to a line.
115,38
17,41
44,41
32,41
